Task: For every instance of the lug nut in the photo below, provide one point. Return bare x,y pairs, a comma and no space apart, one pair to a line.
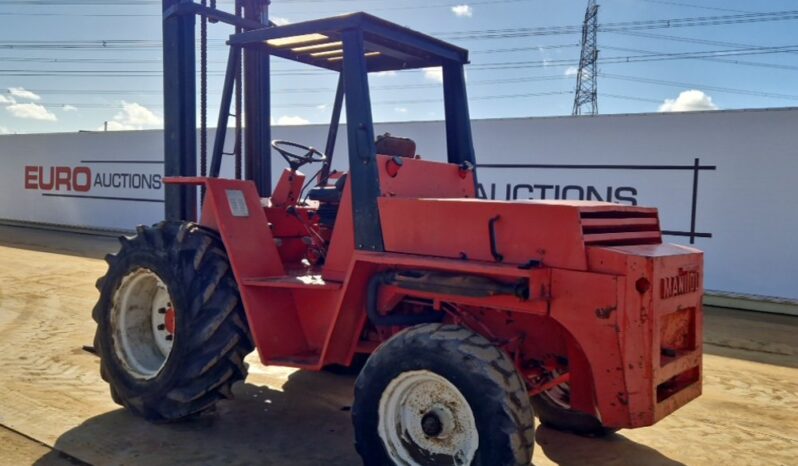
162,310
161,326
169,337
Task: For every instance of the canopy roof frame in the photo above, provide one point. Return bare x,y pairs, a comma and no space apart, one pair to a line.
387,46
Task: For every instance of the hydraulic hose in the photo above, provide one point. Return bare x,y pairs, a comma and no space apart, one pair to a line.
434,282
383,278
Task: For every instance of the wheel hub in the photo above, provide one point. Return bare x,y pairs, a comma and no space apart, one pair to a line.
425,420
143,323
431,425
169,320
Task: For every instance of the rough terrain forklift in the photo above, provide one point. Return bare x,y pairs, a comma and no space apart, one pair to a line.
474,314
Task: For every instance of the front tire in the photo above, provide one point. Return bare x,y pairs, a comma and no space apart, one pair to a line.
441,394
171,331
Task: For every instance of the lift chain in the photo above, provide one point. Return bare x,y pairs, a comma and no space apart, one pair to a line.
213,7
238,100
204,96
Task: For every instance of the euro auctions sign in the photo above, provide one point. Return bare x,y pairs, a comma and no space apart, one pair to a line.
82,179
88,180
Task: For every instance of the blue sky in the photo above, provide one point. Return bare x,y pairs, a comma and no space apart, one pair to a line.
55,76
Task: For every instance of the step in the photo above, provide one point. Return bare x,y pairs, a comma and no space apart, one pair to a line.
294,281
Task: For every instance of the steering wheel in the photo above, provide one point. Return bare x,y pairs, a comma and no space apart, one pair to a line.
295,160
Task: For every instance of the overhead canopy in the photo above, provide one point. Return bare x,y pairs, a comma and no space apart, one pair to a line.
387,46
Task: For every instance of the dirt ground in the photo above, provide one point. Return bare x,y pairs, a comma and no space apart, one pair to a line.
55,409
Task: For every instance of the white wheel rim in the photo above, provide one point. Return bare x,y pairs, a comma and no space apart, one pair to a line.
142,322
425,420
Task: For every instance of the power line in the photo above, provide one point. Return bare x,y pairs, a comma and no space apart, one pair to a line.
612,60
316,105
149,2
314,90
626,25
153,15
116,45
632,28
703,7
728,90
691,40
711,57
142,61
628,97
637,79
485,33
653,57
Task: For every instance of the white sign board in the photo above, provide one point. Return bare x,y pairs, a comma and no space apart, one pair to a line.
723,181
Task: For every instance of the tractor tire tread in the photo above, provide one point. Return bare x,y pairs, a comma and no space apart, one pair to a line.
489,365
217,338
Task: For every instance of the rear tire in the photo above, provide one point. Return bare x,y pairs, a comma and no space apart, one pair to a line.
181,365
558,415
442,394
358,361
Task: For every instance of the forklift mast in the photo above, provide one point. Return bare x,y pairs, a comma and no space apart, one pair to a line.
180,101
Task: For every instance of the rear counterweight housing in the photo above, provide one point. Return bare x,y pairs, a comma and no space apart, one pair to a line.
661,327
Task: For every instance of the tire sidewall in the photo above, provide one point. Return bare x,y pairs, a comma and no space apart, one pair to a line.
473,387
568,420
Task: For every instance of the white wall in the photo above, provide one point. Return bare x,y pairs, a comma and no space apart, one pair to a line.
746,202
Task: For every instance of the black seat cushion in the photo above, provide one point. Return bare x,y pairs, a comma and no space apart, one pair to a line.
325,194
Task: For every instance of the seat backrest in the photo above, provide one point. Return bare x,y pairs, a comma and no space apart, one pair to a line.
395,146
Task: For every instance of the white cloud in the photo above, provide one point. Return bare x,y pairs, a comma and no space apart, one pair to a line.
433,74
321,107
4,130
133,117
400,110
280,21
31,111
388,74
463,10
291,120
688,101
23,93
571,70
69,108
7,100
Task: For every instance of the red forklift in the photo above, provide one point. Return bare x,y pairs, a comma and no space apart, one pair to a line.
472,315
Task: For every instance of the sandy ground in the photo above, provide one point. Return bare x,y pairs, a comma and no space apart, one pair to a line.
55,409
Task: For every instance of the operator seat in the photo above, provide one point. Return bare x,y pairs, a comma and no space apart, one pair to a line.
386,145
329,198
395,146
328,193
